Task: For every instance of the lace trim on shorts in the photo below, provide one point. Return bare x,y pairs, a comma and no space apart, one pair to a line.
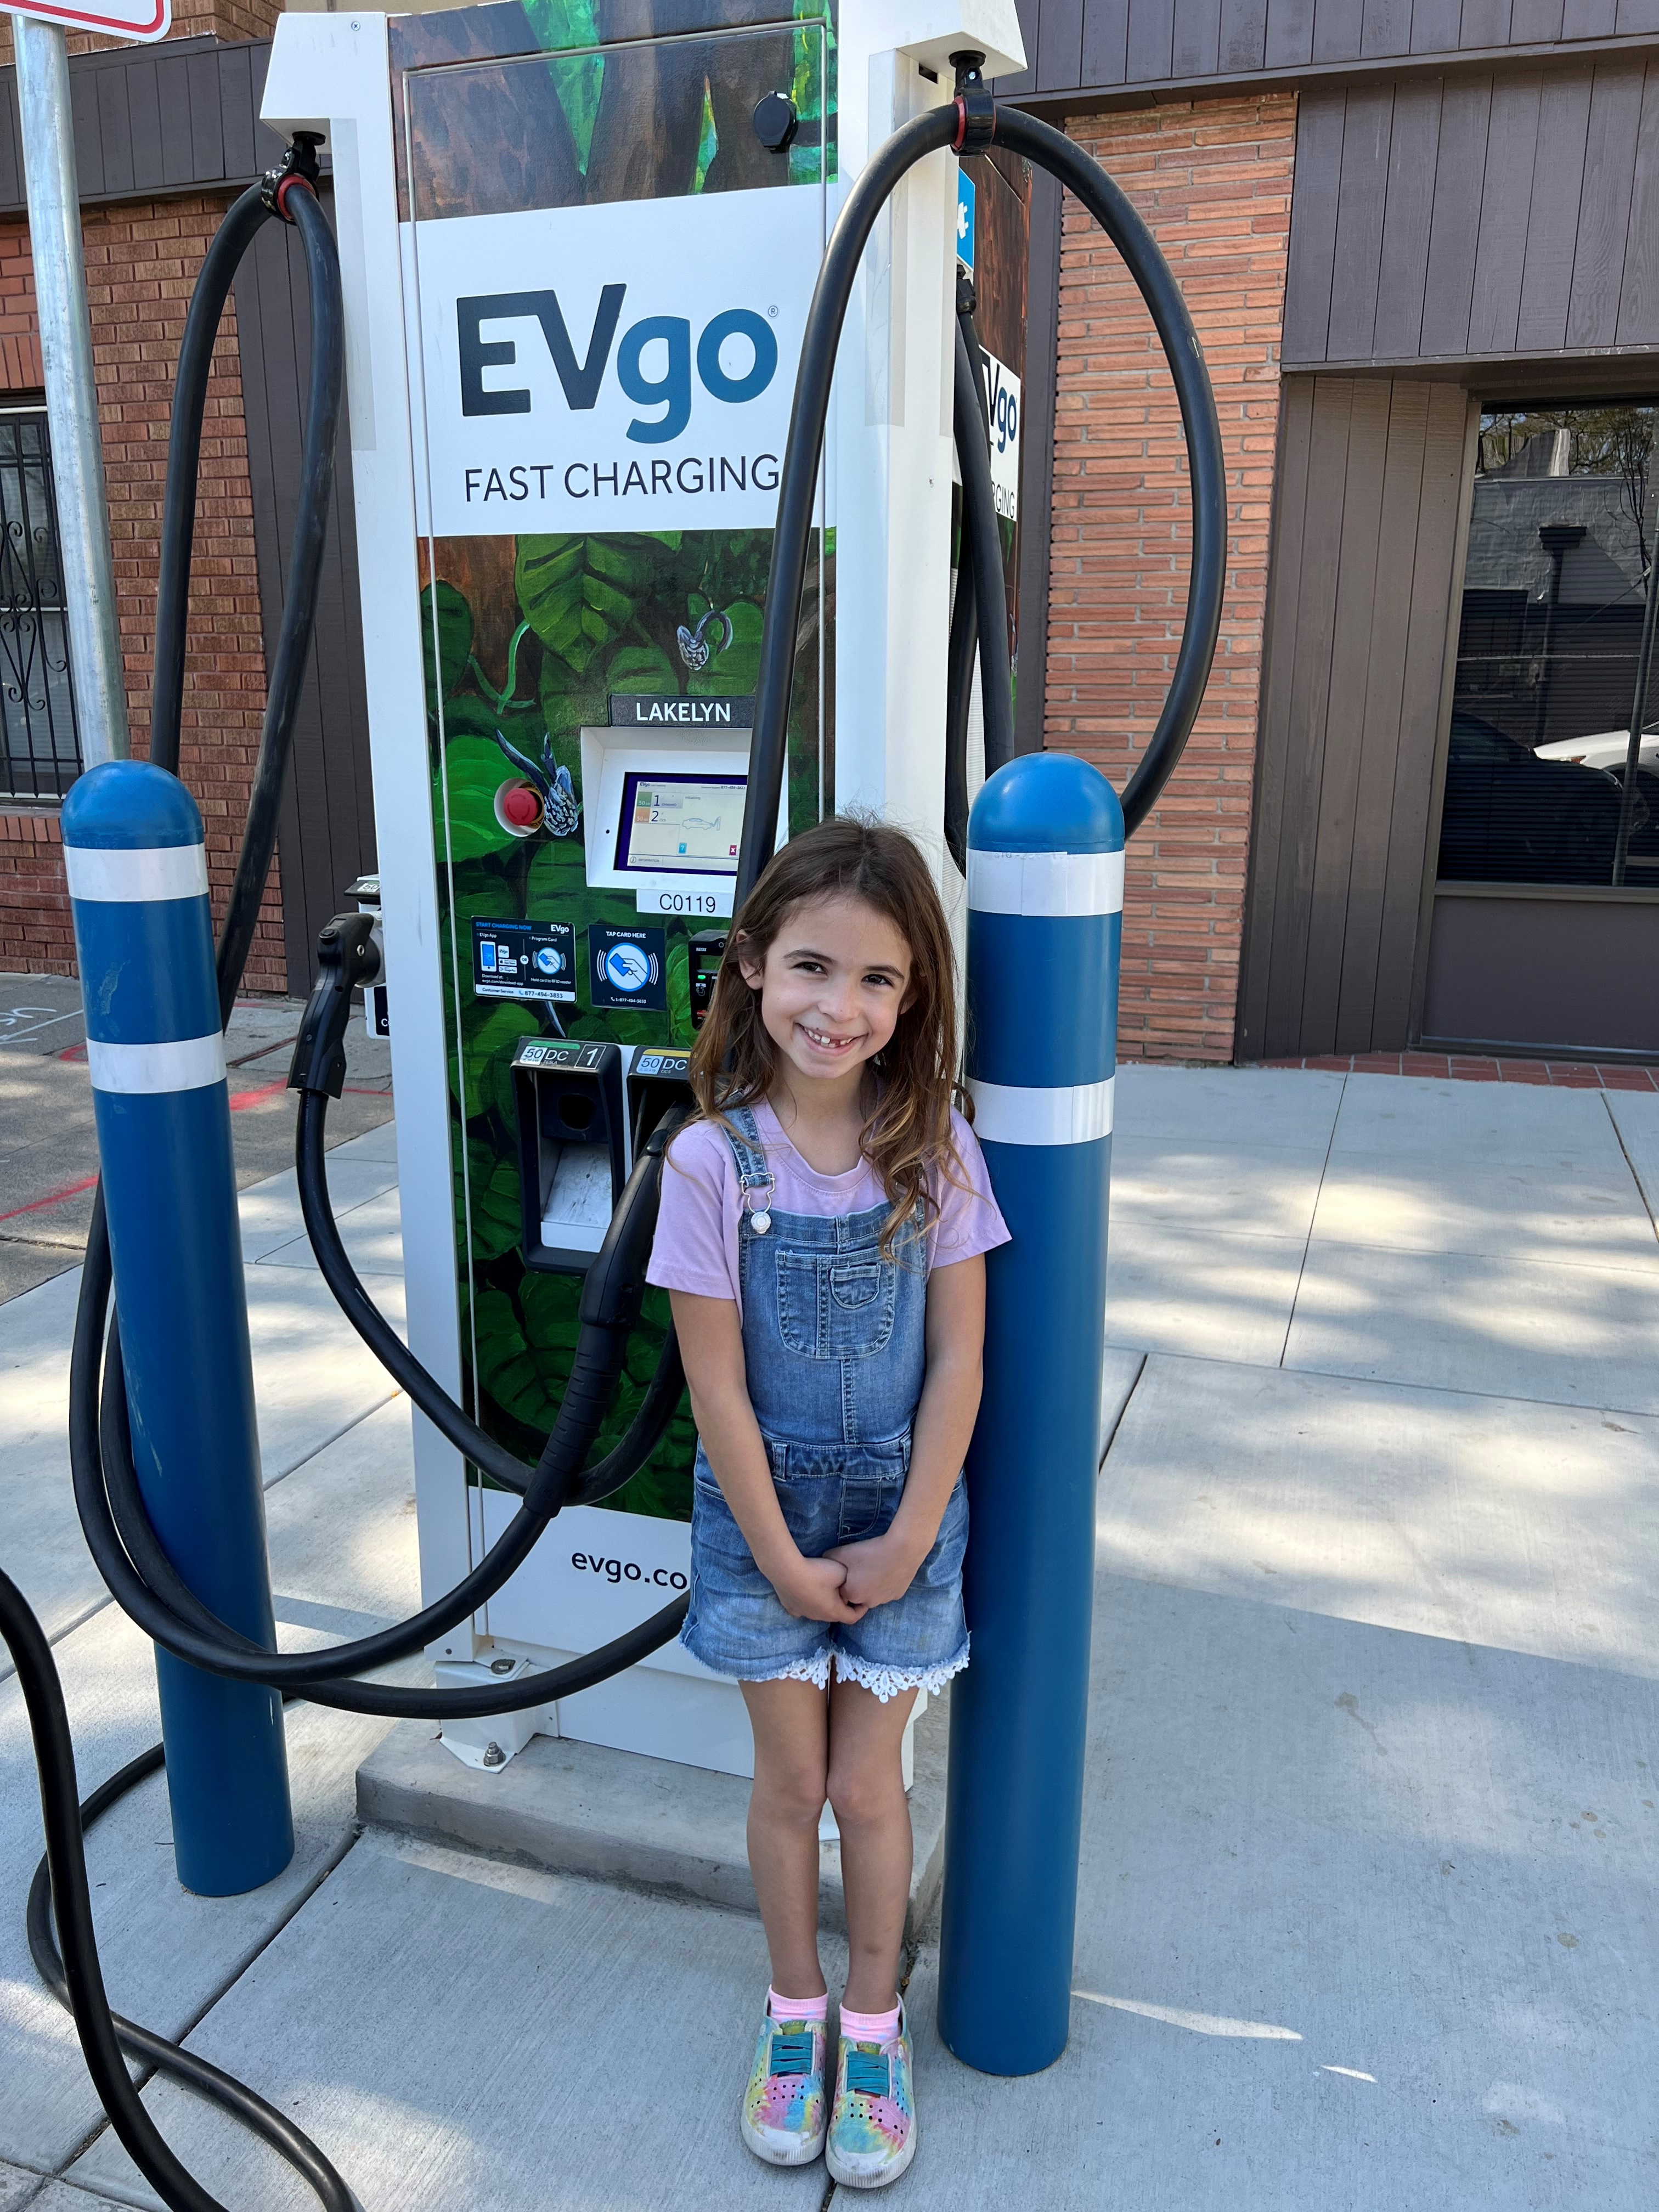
885,1683
814,1670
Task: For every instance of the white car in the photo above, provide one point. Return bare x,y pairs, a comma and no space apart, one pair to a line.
1604,749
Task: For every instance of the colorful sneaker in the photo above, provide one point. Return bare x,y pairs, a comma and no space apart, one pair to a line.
872,2125
782,2117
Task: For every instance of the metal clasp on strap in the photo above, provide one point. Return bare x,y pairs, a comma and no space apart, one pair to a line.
760,1217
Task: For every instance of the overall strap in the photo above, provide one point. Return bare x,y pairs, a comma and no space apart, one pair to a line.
742,1133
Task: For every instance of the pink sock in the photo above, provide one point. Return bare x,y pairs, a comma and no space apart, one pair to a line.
868,2026
807,2009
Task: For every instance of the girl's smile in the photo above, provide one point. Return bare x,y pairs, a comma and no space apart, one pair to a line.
833,984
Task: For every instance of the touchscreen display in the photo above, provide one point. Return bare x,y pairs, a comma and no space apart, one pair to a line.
680,824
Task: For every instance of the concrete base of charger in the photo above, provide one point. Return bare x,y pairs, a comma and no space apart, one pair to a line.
615,1816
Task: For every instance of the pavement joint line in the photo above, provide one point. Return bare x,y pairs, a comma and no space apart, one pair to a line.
1631,1265
1394,1382
1107,1442
262,1051
1307,1242
143,2076
1619,1138
6,1669
97,1606
356,1421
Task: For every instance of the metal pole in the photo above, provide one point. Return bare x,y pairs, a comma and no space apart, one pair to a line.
1638,711
1045,899
77,453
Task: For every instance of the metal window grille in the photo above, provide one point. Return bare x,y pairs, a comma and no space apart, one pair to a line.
39,748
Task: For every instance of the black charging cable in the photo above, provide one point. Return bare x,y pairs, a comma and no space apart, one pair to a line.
968,124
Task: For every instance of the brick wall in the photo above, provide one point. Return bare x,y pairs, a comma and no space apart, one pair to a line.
35,936
19,340
141,258
1212,179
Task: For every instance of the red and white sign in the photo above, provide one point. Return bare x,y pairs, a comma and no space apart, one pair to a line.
111,19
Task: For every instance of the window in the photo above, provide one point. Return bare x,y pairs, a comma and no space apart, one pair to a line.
1540,787
40,752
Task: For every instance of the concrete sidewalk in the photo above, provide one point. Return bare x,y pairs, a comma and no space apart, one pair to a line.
50,1161
1366,1911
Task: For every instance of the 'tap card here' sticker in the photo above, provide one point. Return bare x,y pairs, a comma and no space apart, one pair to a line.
628,967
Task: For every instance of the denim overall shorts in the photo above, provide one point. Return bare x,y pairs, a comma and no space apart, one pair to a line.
833,1345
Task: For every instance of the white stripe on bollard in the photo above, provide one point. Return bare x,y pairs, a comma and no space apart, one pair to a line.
1073,1114
1045,883
136,875
187,1064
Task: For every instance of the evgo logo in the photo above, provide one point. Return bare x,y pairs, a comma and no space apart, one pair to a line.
628,366
735,357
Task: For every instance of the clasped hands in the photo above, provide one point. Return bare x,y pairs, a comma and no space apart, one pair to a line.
844,1583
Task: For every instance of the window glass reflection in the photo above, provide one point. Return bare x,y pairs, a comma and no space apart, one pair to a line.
1555,653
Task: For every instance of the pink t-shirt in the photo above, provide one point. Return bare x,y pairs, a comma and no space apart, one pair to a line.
696,1246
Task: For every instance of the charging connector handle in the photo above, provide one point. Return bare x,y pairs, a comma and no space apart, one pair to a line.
346,959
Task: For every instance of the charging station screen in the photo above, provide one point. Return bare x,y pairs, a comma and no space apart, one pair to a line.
689,824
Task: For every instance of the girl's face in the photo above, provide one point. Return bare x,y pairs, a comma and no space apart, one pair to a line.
834,983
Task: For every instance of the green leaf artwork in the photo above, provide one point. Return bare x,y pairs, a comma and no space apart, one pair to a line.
736,668
490,1047
579,592
445,611
493,1197
474,770
561,621
642,668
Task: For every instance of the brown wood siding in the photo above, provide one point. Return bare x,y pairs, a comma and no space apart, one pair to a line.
327,833
1476,218
1364,542
1094,47
155,119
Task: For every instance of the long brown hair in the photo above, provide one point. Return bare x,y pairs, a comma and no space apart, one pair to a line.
734,1062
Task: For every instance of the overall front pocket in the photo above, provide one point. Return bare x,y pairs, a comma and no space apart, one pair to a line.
835,1309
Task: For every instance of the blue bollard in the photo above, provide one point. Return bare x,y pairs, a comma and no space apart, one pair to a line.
138,880
1045,901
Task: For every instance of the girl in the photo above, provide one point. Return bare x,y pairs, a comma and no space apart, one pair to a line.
822,1233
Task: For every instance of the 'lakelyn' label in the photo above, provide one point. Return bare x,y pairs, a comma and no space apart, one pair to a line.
648,711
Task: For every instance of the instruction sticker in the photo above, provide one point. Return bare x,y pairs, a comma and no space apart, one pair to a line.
525,960
628,967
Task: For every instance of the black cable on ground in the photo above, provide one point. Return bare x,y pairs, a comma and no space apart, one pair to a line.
185,2066
80,1981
